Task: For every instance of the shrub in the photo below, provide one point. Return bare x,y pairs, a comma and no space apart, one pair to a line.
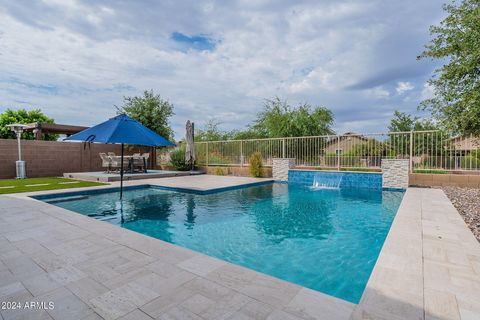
470,162
361,169
256,167
177,159
430,171
219,171
331,159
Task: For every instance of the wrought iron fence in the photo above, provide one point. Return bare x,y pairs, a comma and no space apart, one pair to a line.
426,150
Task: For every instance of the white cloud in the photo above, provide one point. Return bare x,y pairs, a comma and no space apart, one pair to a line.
377,93
428,92
79,58
403,87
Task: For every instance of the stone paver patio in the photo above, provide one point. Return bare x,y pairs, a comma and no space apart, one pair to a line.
429,268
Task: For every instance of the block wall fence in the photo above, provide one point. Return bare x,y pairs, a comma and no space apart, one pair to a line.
53,158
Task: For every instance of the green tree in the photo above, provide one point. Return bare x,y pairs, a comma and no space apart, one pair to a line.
150,110
427,142
456,40
211,132
402,122
23,116
279,119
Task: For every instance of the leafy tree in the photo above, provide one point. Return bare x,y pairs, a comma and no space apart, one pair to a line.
150,110
211,132
457,83
23,116
402,122
422,142
279,119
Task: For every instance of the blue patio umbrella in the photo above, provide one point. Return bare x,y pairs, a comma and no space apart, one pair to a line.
121,130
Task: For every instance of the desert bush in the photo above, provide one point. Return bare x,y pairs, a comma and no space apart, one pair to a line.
219,171
256,166
470,162
177,159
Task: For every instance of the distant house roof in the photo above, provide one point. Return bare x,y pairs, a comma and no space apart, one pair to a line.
346,135
468,143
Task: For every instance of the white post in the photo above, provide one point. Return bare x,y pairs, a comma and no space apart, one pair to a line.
206,154
283,149
338,153
241,153
411,151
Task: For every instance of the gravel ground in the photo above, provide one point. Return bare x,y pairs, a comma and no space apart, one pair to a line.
467,202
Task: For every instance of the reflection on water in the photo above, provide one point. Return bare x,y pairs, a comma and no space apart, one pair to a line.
327,240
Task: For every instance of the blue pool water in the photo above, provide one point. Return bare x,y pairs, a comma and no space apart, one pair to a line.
327,240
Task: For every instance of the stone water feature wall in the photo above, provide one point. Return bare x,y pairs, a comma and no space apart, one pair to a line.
281,167
395,173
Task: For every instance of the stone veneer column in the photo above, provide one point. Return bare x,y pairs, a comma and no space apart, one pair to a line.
395,173
281,167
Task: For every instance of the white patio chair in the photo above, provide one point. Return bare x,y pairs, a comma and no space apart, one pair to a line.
116,162
106,162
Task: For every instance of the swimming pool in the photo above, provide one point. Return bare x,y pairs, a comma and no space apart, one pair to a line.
327,240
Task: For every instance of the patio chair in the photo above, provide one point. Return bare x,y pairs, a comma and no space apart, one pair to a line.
115,162
138,162
106,161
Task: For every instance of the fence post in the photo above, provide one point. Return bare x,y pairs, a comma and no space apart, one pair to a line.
206,154
241,153
411,151
338,153
283,149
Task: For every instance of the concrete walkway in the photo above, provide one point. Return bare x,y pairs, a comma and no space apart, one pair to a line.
429,268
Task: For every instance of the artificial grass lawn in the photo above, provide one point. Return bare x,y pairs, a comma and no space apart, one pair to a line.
41,184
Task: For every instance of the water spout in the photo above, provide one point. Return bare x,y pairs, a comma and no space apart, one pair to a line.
327,181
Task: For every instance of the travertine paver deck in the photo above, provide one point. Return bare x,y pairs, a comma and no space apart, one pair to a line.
429,266
92,270
428,269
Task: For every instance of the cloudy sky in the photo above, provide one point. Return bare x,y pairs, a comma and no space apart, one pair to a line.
76,59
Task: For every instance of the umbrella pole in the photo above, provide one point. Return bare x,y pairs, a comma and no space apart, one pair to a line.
193,139
121,175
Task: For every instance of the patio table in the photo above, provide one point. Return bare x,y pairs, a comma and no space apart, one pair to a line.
130,163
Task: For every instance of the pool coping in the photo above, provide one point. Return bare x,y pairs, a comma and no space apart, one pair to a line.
111,189
429,265
421,272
